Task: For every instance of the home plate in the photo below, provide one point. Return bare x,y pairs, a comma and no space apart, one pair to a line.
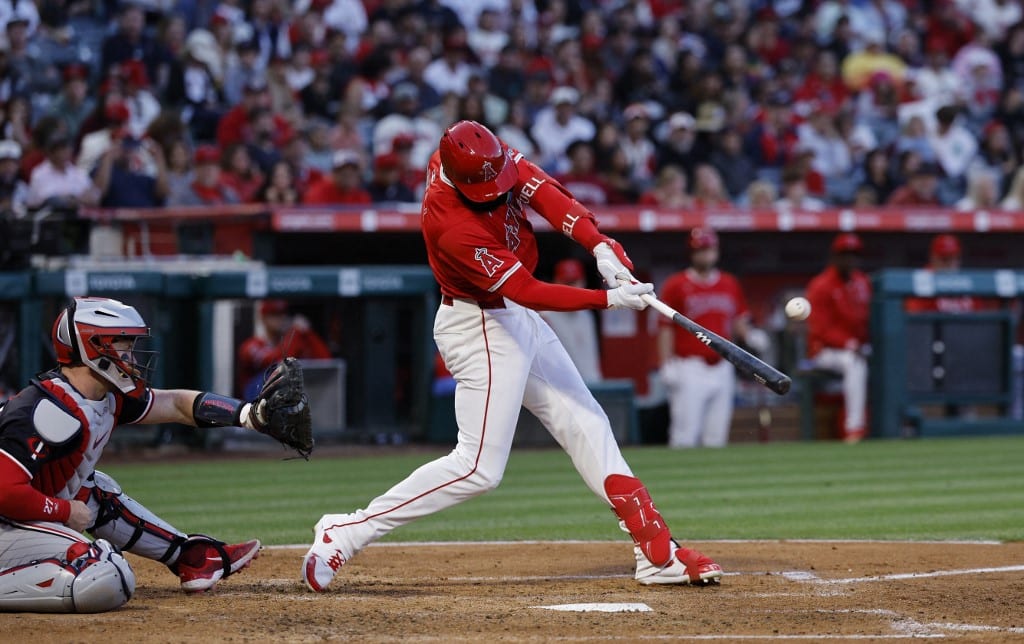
600,608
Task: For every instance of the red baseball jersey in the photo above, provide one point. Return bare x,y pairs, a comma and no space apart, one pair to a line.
839,310
473,252
715,303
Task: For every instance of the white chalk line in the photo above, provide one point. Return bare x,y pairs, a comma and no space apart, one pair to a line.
808,577
549,542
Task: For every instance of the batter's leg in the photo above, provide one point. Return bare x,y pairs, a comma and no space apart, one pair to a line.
557,395
489,354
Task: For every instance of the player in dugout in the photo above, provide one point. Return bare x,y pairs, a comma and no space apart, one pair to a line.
52,435
483,252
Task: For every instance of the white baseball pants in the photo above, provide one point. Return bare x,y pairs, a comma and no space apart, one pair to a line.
700,401
854,368
502,360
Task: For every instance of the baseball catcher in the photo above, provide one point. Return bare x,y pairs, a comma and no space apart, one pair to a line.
281,409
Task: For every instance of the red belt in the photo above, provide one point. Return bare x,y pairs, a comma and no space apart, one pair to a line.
448,300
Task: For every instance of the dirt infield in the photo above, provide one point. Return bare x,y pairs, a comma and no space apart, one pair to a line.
809,591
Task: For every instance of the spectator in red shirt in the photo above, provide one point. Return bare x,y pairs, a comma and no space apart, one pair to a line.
238,172
343,186
282,334
206,188
235,126
837,330
921,188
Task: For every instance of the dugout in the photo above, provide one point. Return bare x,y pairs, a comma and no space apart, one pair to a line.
941,374
377,321
19,316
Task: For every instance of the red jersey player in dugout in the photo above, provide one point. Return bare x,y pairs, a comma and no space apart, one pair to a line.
503,356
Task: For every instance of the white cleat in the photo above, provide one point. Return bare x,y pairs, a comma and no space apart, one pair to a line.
325,557
686,567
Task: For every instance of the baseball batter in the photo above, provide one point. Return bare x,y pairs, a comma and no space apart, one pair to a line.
701,385
503,356
51,436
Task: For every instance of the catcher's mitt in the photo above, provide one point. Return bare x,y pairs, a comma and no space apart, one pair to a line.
281,409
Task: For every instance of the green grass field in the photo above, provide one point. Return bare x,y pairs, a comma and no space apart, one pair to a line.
915,489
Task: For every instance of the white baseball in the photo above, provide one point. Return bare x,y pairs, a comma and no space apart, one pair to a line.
798,308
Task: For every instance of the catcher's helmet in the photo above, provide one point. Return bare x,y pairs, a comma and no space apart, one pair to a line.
85,332
701,238
476,162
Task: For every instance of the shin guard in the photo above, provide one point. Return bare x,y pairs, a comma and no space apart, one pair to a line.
633,505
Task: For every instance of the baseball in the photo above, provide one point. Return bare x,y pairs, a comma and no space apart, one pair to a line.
798,308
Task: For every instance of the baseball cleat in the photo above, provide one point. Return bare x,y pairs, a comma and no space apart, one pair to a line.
687,567
217,562
324,558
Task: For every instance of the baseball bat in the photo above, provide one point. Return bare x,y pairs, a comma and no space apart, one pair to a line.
746,363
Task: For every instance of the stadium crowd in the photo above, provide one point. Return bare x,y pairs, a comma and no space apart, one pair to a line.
678,104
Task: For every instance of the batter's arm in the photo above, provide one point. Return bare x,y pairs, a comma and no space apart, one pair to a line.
526,290
554,202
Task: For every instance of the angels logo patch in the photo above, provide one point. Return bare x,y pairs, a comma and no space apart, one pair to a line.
488,171
490,263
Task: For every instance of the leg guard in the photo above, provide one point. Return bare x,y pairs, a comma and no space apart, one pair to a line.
89,578
633,505
127,524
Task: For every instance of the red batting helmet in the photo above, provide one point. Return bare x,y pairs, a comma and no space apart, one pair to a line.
85,333
476,162
945,246
701,238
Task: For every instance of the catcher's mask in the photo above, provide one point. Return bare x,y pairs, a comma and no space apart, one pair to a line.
104,335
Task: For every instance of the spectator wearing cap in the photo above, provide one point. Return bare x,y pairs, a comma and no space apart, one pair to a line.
577,330
638,147
406,119
17,10
143,107
95,144
737,170
206,188
236,125
343,186
679,144
558,125
28,72
13,191
386,184
74,103
130,41
770,143
131,173
921,188
582,179
837,330
58,181
451,70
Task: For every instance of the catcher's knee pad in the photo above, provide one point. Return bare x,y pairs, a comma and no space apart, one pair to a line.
632,503
127,524
89,578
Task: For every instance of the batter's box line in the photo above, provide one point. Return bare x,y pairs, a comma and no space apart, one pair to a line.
809,577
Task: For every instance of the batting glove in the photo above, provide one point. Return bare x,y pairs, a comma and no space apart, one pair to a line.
613,263
627,296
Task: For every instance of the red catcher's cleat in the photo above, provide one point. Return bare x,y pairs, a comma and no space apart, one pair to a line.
207,561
